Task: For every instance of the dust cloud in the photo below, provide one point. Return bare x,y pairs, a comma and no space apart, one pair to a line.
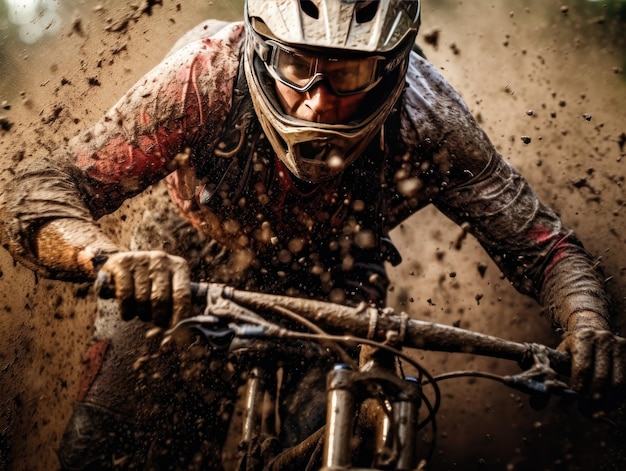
546,81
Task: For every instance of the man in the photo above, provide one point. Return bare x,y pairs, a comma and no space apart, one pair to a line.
296,141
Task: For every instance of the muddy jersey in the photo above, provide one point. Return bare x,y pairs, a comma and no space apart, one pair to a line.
190,121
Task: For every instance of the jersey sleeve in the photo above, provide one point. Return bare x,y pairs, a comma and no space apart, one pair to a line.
528,241
179,106
176,108
462,174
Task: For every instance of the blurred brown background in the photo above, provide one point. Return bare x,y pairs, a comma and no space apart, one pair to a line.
552,71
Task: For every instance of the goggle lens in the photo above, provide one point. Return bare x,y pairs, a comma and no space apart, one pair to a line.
344,76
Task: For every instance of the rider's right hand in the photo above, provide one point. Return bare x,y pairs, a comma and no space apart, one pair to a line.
151,285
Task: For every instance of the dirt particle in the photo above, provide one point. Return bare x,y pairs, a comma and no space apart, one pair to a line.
530,113
482,269
432,38
54,115
526,139
587,116
77,27
621,141
5,124
18,156
121,24
564,9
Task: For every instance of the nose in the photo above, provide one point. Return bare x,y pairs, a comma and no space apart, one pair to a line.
320,99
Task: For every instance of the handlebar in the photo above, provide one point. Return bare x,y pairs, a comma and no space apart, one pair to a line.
385,325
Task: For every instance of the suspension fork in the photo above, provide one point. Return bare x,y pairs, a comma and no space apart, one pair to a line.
393,423
258,417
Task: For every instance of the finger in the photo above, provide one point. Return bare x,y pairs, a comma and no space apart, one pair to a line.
125,294
104,285
181,294
124,285
619,365
603,363
161,297
143,288
582,361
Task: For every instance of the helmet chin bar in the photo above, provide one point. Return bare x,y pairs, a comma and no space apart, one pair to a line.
326,163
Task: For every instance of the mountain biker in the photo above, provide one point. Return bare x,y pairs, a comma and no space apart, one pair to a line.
294,141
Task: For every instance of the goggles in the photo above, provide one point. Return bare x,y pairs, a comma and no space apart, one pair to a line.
301,71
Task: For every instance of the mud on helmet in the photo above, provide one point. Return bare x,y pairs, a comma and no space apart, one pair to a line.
374,36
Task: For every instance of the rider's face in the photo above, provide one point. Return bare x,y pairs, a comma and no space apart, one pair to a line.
318,104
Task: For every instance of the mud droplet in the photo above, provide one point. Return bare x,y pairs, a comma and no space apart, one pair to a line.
336,163
154,332
432,38
621,142
5,124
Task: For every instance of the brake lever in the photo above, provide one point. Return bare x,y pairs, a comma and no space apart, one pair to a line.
540,382
537,384
217,332
220,333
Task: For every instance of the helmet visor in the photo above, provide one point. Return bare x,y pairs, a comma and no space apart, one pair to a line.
301,70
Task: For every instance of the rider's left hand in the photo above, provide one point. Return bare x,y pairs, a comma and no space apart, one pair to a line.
598,366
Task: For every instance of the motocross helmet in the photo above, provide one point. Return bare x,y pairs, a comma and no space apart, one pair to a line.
291,40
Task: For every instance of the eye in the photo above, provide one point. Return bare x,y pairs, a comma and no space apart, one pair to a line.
300,67
294,67
347,78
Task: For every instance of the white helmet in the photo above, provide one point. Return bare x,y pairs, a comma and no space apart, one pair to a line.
373,36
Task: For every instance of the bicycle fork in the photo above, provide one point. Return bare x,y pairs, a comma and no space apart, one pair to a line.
390,408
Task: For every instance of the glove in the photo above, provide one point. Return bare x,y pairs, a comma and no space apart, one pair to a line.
598,371
151,285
